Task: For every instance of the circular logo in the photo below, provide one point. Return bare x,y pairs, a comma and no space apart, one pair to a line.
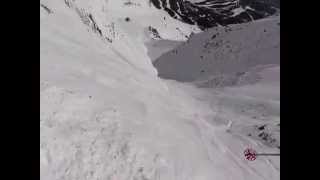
250,154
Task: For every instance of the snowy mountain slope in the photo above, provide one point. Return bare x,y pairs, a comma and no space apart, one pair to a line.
210,13
110,16
104,113
107,19
224,55
242,64
249,113
259,104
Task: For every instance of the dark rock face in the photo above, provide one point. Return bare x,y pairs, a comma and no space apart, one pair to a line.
210,13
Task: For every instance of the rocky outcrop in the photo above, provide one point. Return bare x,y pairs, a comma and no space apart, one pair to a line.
210,13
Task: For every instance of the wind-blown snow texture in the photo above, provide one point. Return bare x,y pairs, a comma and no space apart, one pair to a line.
104,113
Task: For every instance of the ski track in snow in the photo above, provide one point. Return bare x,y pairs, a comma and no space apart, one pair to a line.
104,113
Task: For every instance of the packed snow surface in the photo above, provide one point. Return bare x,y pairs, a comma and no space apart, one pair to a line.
104,113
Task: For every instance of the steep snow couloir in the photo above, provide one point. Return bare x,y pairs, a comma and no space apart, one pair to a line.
104,113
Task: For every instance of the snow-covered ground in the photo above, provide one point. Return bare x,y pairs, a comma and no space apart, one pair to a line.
104,113
223,51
